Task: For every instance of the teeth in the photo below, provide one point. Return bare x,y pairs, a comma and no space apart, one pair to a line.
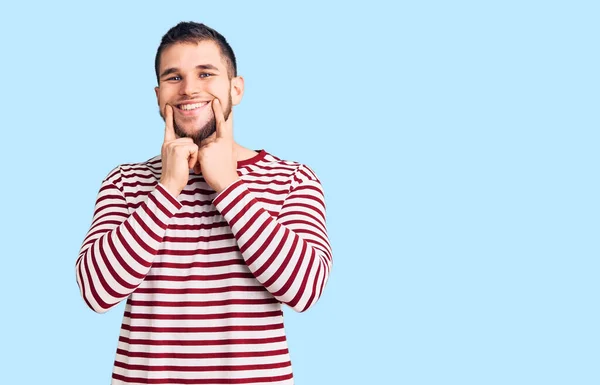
187,107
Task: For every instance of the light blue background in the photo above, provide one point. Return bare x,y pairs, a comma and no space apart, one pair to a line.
457,143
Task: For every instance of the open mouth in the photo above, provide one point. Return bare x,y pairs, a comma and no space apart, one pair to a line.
191,107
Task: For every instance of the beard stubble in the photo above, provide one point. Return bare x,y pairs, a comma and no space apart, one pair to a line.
201,133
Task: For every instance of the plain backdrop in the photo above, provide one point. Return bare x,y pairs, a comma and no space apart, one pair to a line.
457,143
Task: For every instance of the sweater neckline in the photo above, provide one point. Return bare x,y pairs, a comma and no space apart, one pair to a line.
255,159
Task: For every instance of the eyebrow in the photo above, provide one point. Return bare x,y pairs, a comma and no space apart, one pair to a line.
171,70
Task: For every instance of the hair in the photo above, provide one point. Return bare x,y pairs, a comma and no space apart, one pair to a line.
191,32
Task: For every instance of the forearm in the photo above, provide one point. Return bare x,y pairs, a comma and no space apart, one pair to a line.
119,248
290,254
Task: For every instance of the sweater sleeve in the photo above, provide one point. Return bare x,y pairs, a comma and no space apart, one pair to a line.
289,254
119,248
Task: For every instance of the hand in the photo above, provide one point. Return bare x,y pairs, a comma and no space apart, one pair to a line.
178,156
217,159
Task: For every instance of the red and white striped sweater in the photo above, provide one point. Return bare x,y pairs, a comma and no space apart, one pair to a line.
205,274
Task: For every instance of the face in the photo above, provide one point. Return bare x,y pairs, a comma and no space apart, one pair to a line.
191,75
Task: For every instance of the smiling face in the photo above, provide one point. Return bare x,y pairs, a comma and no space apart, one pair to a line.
191,75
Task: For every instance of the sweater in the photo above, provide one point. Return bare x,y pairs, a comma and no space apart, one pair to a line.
205,274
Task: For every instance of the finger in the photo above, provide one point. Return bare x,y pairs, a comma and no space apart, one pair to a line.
197,168
224,127
169,126
193,157
209,140
183,140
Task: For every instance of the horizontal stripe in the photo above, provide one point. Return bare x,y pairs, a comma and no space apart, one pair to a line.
203,316
241,341
250,380
225,302
186,368
198,356
207,329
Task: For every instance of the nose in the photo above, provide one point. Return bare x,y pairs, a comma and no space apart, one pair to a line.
189,86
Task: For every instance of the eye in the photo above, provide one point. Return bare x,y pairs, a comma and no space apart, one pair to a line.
205,75
174,78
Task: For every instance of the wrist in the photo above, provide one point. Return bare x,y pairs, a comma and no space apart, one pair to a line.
222,185
171,188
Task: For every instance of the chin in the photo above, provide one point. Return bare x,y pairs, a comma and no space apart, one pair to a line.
198,134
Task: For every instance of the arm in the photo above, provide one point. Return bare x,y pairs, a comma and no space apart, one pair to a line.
289,254
119,248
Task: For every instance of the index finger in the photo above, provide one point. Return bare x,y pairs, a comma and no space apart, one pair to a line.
169,128
224,127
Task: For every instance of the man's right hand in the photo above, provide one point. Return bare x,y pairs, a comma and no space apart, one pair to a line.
178,155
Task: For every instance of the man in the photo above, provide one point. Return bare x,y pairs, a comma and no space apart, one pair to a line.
207,240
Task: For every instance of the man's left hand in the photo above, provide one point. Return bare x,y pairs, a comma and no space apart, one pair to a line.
217,158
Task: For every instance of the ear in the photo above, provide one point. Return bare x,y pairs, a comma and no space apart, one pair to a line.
237,90
156,89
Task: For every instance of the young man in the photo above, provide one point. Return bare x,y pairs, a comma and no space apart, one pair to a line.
207,240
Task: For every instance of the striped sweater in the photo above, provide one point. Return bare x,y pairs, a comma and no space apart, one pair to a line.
205,274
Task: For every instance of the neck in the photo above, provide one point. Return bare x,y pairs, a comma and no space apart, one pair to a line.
243,153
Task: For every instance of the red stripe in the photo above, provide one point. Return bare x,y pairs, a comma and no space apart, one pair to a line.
138,240
267,242
283,264
152,198
252,221
109,290
214,368
82,284
196,277
268,263
213,251
263,314
199,264
108,196
220,342
260,191
110,214
293,198
107,207
195,356
129,175
111,269
139,184
202,214
154,218
133,273
200,191
199,238
233,188
224,302
93,291
203,290
147,230
165,194
313,292
202,381
207,329
294,274
201,226
285,213
304,285
134,195
128,248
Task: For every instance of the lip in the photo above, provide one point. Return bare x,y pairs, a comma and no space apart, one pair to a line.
194,111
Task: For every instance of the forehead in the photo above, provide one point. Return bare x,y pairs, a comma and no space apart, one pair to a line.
189,55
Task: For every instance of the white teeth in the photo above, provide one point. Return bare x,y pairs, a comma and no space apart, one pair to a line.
187,107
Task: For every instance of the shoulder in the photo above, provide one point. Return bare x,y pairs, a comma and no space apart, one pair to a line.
135,172
298,172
